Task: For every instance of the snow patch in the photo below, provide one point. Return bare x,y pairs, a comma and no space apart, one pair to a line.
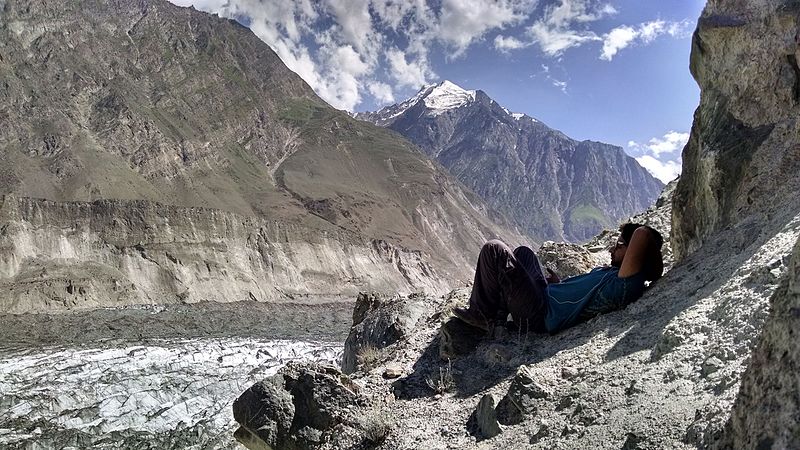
447,95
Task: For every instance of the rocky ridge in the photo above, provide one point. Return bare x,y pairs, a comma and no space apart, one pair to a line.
553,186
705,359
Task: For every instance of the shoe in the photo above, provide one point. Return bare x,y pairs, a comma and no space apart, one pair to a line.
470,318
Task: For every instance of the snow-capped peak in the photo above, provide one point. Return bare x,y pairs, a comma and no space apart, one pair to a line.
447,95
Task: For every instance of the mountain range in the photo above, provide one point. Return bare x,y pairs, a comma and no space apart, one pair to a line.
152,153
553,186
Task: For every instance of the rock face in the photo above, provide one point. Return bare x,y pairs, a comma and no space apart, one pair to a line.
127,117
768,405
742,162
553,186
377,323
56,256
301,407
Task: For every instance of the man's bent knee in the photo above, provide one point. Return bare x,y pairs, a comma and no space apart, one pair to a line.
495,246
523,251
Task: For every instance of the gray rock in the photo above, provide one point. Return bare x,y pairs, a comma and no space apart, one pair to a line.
741,160
522,397
767,408
565,259
392,372
711,365
379,321
483,421
298,408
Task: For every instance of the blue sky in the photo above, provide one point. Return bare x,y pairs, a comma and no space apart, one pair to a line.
614,71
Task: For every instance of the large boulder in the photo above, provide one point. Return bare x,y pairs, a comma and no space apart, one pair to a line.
742,160
767,408
567,260
379,321
301,407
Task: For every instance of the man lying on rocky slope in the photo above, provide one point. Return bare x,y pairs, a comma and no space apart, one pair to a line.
513,283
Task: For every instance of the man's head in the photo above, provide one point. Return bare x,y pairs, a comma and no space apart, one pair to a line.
625,234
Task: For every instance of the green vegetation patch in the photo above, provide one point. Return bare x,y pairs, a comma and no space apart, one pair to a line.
299,111
584,214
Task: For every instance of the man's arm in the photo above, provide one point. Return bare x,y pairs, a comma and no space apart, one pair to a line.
552,277
641,245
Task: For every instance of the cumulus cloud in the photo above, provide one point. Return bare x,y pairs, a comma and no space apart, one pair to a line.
505,44
665,171
562,25
354,19
408,73
660,155
623,36
381,91
463,21
669,143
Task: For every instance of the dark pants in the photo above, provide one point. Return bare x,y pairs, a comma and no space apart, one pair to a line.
509,282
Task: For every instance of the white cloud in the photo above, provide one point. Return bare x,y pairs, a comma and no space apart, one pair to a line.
660,155
623,36
553,41
669,143
355,22
348,60
562,85
505,44
665,171
413,74
617,39
560,28
463,21
381,91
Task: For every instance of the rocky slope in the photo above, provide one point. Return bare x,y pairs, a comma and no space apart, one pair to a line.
706,359
553,186
175,158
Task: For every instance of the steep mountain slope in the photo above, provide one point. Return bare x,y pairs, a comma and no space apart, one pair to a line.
133,102
553,186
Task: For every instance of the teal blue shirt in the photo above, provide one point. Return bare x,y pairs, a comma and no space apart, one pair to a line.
579,298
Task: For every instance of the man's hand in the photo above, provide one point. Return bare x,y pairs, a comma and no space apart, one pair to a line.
552,277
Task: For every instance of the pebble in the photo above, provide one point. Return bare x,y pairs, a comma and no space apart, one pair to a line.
392,372
569,373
